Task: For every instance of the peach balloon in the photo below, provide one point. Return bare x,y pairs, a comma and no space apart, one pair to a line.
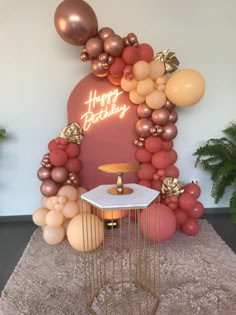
117,214
70,209
68,191
145,87
58,206
86,207
141,70
185,87
156,99
62,200
53,235
54,218
50,203
66,223
85,232
44,202
161,80
157,69
128,85
136,98
81,190
39,216
161,87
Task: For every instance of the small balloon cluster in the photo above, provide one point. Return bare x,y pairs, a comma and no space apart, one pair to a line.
59,167
61,216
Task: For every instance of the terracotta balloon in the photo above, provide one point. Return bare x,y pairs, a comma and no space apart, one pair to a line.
75,22
172,171
49,188
53,235
146,172
98,69
197,211
145,183
185,87
153,144
44,173
156,184
187,202
39,216
168,145
173,156
105,32
94,47
143,127
170,131
193,189
181,216
173,117
113,45
143,156
144,111
160,116
161,160
146,52
190,227
59,174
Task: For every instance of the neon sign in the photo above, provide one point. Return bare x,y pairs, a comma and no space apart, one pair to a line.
103,106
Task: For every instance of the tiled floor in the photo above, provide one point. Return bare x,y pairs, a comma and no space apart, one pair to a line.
14,237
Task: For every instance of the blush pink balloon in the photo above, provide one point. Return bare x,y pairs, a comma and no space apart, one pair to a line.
161,160
190,227
168,145
172,171
173,205
143,156
197,211
173,156
145,183
156,184
147,171
193,190
181,216
187,202
166,227
153,144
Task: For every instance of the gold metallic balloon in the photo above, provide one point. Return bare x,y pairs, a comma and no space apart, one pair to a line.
75,22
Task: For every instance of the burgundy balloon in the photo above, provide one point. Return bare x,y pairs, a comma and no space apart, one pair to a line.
97,69
59,174
94,47
173,117
144,111
169,105
75,22
160,116
169,132
44,173
105,32
49,188
143,127
114,45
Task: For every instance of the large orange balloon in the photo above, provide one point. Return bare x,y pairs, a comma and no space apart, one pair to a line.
185,87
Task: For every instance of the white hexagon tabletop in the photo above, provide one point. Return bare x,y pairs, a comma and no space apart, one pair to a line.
142,197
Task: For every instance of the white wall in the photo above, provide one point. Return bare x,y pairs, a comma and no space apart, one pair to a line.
38,71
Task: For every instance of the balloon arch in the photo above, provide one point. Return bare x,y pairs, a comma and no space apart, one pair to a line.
130,68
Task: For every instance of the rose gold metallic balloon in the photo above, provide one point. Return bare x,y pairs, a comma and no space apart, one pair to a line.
105,32
168,105
140,145
144,111
114,45
169,132
59,174
49,188
44,173
94,47
160,116
173,116
75,22
103,57
98,69
143,127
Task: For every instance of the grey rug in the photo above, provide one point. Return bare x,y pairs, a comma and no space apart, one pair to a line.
198,277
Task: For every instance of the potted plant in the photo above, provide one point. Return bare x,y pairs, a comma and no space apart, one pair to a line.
218,156
2,133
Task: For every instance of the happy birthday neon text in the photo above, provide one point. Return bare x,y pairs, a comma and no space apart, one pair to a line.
108,107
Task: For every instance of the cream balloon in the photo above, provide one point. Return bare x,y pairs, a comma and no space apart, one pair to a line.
53,235
185,87
145,87
44,202
54,218
39,216
135,97
85,232
65,224
128,85
141,70
156,99
70,209
157,69
81,190
68,191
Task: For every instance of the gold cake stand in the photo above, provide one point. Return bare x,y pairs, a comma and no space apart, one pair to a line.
119,169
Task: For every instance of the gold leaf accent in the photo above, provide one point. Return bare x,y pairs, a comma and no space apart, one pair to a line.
169,59
73,132
171,187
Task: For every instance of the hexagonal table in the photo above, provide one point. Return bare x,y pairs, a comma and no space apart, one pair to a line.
123,273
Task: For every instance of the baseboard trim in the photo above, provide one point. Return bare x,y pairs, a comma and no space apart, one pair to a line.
16,218
28,218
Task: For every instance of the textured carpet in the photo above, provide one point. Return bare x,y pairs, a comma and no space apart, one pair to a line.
198,277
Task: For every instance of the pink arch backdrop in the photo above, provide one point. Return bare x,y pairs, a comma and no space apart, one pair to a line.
125,111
